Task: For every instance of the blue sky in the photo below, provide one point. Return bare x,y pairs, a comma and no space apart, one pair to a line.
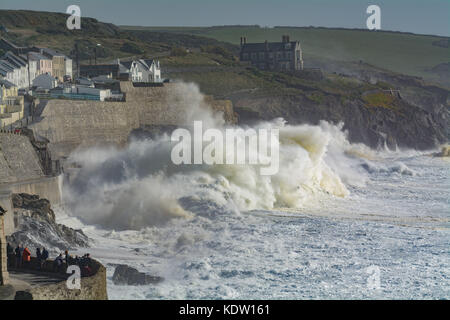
425,16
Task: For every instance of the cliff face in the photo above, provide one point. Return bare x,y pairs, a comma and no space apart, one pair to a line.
35,226
405,126
412,115
68,124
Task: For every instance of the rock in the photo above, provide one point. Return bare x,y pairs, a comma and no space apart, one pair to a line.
126,275
36,226
23,295
445,152
40,208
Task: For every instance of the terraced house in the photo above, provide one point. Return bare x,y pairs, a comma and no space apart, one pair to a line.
14,69
61,65
280,56
11,104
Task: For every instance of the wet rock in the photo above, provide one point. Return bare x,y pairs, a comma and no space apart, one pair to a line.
35,226
126,275
23,295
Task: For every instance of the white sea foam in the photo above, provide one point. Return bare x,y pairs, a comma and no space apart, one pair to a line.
138,186
216,231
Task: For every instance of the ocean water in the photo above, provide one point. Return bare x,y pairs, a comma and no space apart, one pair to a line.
337,221
398,221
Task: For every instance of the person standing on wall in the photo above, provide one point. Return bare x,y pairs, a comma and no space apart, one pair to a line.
10,255
26,256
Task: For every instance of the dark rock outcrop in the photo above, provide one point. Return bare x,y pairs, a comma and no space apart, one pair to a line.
125,275
35,225
418,118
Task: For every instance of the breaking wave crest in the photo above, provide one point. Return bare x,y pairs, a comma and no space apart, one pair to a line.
138,186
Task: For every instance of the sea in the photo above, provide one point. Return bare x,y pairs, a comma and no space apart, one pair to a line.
338,221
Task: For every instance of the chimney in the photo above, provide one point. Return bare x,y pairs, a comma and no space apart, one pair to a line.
287,38
242,40
245,40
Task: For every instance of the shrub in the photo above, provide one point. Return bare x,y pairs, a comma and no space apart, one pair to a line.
130,47
227,54
178,52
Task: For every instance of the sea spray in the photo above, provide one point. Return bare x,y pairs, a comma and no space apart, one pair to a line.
139,186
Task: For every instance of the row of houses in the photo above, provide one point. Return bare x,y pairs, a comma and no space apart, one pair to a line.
21,65
99,88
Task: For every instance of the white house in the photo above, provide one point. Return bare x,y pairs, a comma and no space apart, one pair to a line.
68,67
145,71
15,70
43,63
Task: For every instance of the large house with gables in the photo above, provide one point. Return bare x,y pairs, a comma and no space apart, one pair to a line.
142,70
278,56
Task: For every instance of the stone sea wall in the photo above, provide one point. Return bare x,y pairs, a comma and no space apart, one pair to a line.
18,159
68,124
92,287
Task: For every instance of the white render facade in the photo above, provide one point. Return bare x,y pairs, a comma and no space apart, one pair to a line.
145,71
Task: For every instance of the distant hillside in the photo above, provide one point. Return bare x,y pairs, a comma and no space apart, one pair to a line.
406,53
48,29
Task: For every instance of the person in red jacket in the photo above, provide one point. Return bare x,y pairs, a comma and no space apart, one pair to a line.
26,256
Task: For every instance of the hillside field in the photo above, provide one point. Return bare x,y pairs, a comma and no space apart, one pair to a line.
405,53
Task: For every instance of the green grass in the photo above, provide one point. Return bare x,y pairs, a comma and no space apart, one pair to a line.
405,53
379,100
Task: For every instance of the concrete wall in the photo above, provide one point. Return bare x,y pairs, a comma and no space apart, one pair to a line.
46,188
4,277
72,123
92,287
8,218
18,159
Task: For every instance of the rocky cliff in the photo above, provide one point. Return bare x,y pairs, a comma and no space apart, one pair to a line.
35,226
377,107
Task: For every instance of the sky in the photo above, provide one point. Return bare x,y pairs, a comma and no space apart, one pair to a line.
417,16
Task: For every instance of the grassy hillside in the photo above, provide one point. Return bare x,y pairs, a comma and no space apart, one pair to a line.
48,29
405,53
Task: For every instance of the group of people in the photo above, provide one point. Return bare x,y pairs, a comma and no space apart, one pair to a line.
20,257
84,262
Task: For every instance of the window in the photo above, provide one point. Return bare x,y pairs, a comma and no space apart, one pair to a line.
261,56
254,56
271,55
245,56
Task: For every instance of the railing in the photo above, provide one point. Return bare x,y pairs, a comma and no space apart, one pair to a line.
49,270
148,84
